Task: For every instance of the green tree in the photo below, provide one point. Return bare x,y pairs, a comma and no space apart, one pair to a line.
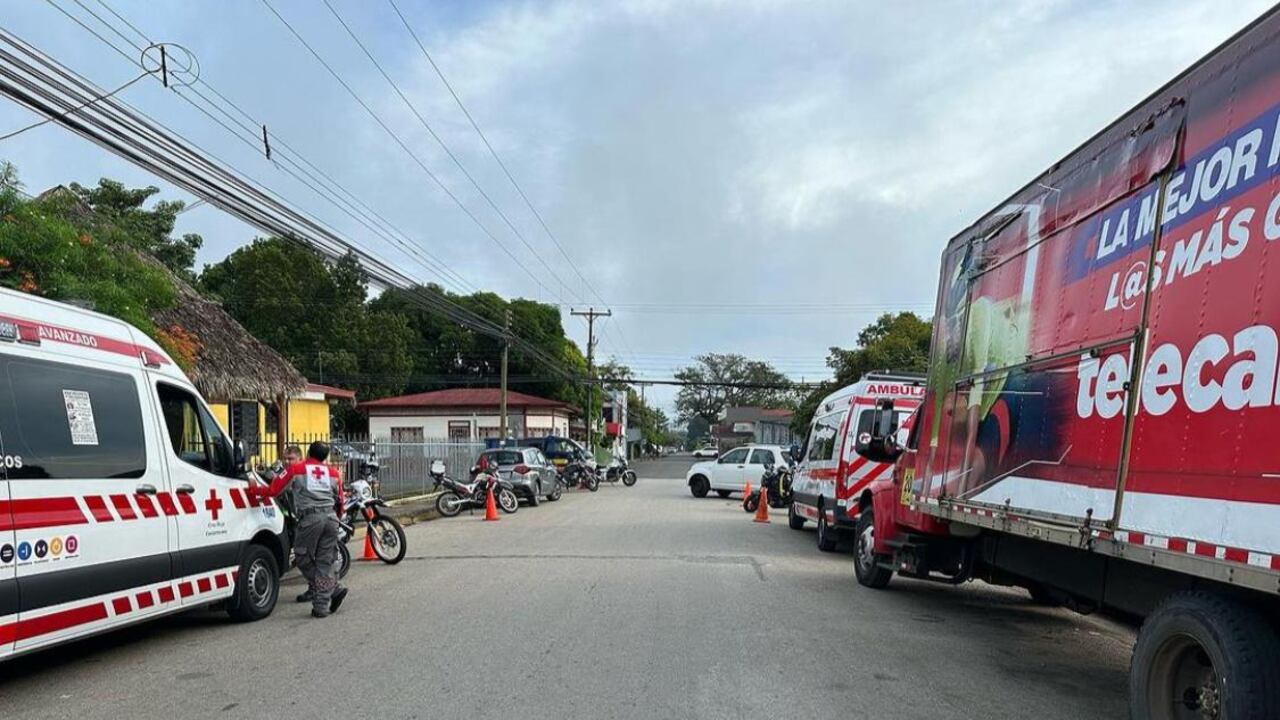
47,250
315,314
895,341
702,398
445,352
120,212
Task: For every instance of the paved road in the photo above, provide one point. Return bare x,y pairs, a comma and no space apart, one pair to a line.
629,603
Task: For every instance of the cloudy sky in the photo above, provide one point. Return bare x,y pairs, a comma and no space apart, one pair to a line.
752,176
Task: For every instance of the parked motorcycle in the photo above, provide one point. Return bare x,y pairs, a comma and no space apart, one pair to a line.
579,473
458,496
617,469
362,501
284,503
777,481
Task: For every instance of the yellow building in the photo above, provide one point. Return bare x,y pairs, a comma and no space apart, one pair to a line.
257,424
248,385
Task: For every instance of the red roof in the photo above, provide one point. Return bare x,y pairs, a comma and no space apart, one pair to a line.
332,392
463,397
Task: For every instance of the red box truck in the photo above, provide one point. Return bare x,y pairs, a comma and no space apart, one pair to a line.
1103,397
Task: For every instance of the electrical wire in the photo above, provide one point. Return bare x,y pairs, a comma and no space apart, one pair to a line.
82,106
399,141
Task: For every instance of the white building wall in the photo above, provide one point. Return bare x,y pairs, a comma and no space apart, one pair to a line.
436,427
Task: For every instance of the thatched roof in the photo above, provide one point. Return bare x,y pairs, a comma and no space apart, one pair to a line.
230,364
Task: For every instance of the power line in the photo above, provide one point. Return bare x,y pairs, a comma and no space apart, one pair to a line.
430,262
507,172
434,178
493,152
362,214
87,103
443,146
116,127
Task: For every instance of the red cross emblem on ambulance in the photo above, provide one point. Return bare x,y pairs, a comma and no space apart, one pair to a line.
213,504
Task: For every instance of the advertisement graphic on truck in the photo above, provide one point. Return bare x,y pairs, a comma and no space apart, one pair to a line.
1102,395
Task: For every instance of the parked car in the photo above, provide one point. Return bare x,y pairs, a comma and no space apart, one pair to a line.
727,473
530,473
125,499
707,451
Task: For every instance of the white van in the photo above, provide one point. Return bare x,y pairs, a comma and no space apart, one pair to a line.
830,471
120,497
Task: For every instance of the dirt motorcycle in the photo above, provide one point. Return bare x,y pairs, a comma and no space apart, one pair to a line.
458,496
776,480
386,535
617,469
284,502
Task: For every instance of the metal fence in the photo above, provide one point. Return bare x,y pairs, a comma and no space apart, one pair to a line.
403,466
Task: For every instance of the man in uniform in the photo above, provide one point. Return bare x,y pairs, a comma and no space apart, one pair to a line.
315,490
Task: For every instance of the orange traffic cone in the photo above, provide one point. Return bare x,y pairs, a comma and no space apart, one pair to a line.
490,508
368,545
762,510
746,490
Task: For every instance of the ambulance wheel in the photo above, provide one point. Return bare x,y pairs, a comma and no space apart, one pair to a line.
723,493
795,521
826,537
257,586
866,563
1202,655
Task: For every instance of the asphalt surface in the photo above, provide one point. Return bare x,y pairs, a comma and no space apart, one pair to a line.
635,602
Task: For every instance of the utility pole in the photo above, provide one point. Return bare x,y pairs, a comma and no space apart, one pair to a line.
590,314
502,402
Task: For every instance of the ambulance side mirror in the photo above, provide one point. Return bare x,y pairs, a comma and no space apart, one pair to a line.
238,459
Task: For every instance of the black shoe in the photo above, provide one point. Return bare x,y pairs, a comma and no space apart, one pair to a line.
306,596
319,613
335,602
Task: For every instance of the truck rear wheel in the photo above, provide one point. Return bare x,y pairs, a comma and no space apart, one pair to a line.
866,563
1201,655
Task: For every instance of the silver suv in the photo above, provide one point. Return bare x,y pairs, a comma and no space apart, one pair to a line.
529,471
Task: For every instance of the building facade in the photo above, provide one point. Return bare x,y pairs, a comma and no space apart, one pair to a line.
464,415
765,426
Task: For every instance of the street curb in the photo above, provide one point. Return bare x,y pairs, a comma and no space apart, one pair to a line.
416,509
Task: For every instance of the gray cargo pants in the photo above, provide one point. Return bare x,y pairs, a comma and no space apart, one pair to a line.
316,548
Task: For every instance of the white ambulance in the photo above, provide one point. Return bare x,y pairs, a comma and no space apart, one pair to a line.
831,474
121,499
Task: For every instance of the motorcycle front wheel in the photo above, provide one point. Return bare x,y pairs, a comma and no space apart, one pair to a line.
507,501
449,504
344,560
591,481
389,542
629,478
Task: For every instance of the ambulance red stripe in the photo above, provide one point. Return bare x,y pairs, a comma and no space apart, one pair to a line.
122,505
54,622
98,507
166,504
188,505
78,338
237,498
32,513
145,506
